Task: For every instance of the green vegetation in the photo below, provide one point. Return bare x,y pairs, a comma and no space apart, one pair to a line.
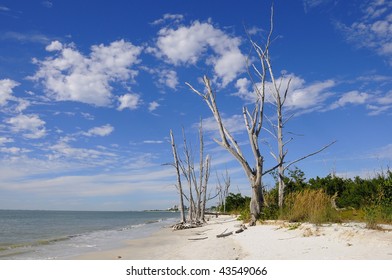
239,205
308,205
328,199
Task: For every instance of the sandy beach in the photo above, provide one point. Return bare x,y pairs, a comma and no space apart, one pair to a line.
274,240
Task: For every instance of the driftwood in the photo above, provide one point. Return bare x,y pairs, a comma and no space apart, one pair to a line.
181,226
200,238
224,234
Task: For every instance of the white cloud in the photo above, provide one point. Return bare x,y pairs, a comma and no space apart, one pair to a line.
189,44
4,140
374,29
153,106
129,101
23,105
72,76
305,96
104,130
380,104
63,150
87,116
152,141
301,95
352,97
25,37
376,110
13,150
6,90
32,126
169,17
54,46
234,124
385,100
168,78
229,65
244,87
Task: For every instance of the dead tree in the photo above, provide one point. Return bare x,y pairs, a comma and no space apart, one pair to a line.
197,180
279,96
179,184
253,122
188,168
223,190
204,189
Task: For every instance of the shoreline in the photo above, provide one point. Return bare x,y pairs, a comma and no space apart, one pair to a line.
275,240
167,244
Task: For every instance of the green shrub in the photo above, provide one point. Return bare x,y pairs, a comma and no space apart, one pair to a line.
372,216
245,214
236,202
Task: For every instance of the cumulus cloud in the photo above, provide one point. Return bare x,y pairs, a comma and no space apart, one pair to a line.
168,78
54,46
301,95
244,90
304,96
104,130
129,101
189,44
31,126
71,76
6,90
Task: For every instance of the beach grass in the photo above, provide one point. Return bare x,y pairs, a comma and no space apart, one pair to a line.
312,206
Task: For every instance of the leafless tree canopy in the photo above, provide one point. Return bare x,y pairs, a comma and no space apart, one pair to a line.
197,181
253,121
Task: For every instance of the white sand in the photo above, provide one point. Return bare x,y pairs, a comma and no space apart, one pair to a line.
350,241
272,241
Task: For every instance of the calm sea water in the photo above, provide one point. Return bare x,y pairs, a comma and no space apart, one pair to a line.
64,234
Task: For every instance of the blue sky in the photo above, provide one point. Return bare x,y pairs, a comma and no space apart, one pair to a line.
90,89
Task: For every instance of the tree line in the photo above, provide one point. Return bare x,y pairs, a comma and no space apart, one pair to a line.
324,199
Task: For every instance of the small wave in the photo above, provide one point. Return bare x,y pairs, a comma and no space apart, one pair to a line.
153,221
5,247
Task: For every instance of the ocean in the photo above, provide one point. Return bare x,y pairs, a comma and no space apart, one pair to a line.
42,235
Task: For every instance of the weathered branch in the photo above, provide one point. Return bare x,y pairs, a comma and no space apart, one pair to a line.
309,155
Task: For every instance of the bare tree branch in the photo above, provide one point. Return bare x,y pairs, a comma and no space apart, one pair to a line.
309,155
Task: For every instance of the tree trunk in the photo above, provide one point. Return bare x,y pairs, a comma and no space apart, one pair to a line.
179,185
281,187
256,203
